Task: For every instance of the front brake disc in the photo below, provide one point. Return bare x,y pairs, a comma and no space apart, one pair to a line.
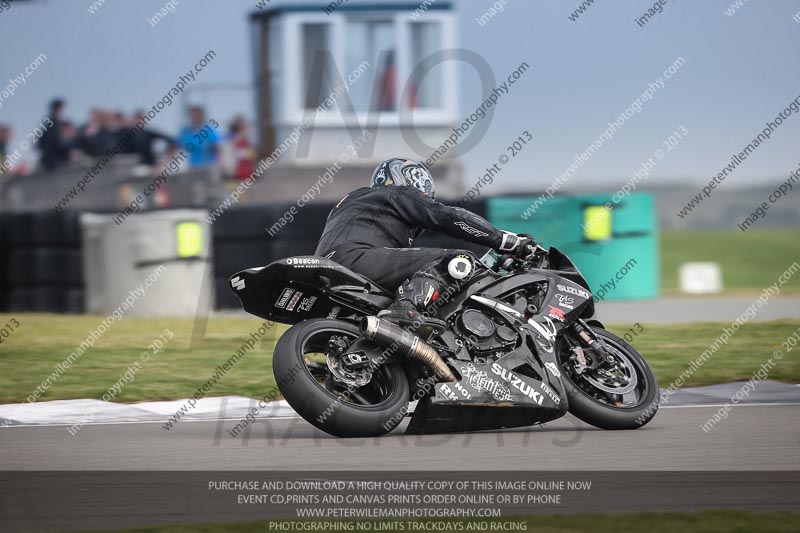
614,388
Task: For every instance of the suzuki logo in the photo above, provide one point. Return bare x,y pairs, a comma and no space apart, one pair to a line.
517,382
237,283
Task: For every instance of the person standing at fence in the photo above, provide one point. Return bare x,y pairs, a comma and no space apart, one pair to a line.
242,151
5,137
7,158
88,134
203,140
55,148
145,141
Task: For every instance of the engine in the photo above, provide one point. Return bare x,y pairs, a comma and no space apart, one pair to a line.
483,335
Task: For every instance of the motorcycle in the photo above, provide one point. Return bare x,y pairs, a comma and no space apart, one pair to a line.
520,348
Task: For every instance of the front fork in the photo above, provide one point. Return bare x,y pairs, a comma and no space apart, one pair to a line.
588,341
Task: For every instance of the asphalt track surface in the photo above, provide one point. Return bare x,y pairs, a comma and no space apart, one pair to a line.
762,437
126,475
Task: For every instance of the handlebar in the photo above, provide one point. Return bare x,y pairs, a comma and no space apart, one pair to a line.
510,262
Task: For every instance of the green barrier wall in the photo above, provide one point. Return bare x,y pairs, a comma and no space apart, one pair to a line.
616,249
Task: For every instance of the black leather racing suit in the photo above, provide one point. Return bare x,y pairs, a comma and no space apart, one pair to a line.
371,231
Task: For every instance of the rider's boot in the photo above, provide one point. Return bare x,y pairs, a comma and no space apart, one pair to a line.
414,303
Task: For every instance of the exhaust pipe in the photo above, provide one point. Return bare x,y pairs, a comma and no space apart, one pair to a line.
386,334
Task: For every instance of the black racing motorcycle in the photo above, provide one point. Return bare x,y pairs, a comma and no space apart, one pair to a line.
520,348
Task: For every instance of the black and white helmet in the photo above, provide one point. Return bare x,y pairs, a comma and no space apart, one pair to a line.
401,172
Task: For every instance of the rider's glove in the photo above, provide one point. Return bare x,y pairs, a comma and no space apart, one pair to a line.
522,245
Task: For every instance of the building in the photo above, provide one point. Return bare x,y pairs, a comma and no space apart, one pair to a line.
341,86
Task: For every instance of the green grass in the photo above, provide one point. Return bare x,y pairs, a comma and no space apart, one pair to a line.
706,521
749,260
669,348
30,354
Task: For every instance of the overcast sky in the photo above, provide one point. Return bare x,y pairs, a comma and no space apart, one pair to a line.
740,71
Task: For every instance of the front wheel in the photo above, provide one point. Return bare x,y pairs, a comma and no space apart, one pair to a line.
624,396
373,404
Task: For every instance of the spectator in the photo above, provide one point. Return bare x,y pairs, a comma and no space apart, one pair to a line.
69,133
5,137
144,142
8,159
206,145
109,133
117,125
54,147
119,122
243,152
88,133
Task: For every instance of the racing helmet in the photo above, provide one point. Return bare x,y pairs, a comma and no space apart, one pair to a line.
400,172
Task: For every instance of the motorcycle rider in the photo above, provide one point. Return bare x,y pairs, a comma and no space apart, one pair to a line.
371,231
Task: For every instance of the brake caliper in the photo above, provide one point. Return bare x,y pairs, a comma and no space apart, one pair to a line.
580,366
337,345
349,368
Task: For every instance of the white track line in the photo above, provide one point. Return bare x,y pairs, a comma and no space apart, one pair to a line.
162,422
765,404
297,416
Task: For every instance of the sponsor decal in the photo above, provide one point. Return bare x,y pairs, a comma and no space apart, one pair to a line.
556,313
448,393
284,297
303,262
517,382
573,290
237,283
553,369
460,388
480,380
552,395
469,229
294,300
565,301
307,303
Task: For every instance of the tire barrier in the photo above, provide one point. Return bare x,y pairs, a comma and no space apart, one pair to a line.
41,269
41,254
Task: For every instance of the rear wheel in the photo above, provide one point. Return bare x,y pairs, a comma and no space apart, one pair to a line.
364,403
621,395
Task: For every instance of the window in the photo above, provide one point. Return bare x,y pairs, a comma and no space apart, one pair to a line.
425,85
373,41
317,64
321,53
